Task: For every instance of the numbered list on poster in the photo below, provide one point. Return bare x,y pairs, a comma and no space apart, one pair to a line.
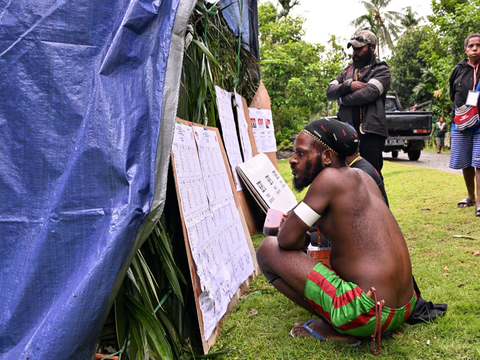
229,131
215,233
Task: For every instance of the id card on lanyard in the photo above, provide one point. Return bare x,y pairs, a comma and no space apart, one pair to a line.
472,98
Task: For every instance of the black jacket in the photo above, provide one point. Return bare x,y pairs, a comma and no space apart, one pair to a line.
461,82
371,98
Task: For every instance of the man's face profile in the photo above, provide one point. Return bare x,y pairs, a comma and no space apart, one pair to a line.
305,163
362,56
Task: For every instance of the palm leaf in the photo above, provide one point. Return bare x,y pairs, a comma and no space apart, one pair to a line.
121,322
171,270
205,50
153,329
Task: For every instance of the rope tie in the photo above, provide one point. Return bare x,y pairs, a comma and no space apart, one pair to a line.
377,335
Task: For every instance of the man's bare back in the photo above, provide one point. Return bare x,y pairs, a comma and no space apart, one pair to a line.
368,247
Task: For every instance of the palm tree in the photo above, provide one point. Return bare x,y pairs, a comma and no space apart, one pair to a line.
381,22
287,5
409,20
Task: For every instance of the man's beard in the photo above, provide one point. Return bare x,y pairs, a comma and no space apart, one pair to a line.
360,61
301,183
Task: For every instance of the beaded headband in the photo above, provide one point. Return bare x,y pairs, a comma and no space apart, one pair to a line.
319,140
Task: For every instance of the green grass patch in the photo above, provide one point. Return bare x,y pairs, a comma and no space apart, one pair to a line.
445,267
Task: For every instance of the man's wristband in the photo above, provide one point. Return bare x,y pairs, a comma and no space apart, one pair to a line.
340,100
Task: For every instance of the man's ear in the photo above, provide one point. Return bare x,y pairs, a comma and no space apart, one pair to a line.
327,157
374,46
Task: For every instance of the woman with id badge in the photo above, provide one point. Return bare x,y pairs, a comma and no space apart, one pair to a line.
465,137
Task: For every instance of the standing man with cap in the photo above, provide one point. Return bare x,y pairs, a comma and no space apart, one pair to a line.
361,90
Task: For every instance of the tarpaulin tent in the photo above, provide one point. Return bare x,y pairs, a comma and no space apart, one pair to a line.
89,92
88,103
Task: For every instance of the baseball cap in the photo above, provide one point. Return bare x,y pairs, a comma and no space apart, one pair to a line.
362,38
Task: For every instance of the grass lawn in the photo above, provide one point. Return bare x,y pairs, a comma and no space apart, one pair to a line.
442,240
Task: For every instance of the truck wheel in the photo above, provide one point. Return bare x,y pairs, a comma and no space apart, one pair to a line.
414,155
394,154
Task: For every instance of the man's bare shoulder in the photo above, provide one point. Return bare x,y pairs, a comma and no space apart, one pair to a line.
333,181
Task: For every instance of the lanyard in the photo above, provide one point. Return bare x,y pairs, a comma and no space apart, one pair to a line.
475,71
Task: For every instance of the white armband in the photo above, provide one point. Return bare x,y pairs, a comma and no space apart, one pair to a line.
306,214
377,84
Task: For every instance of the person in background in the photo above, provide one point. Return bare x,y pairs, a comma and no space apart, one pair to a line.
465,145
440,129
361,90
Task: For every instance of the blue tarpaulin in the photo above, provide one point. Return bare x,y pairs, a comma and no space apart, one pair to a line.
88,94
242,18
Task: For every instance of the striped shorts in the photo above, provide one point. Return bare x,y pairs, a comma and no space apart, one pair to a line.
465,150
344,305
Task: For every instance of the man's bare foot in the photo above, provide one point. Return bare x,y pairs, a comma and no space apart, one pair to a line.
322,328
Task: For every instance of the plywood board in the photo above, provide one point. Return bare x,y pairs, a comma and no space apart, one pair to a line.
194,254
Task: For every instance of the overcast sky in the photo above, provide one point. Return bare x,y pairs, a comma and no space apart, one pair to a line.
324,17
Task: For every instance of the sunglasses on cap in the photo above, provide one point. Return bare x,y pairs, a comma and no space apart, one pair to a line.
360,38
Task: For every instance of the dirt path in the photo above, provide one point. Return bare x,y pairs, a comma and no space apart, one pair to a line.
429,160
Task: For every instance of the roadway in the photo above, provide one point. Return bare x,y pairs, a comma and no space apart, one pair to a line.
429,160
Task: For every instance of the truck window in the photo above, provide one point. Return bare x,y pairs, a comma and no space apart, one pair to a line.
390,104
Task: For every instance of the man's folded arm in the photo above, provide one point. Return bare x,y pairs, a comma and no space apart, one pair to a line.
375,88
292,233
338,88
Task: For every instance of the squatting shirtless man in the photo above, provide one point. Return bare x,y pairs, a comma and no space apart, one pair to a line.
369,256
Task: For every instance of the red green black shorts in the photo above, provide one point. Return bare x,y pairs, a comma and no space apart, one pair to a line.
347,307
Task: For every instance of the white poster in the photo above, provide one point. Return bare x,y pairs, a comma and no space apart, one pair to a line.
215,233
263,129
267,184
229,131
243,129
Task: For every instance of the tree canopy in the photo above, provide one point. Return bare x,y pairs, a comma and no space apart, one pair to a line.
380,21
296,73
406,67
452,22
